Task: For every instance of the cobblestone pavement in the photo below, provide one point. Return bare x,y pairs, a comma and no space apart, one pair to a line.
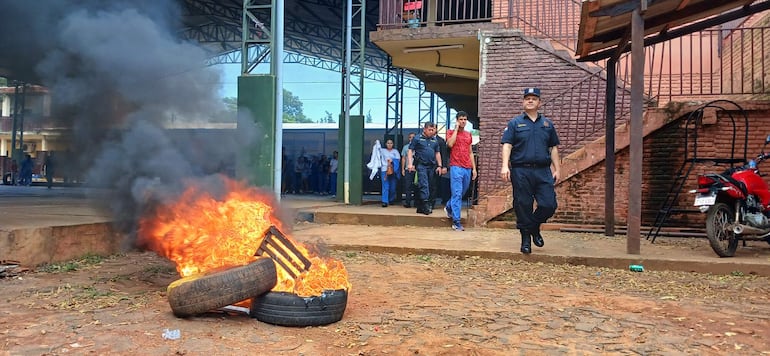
399,304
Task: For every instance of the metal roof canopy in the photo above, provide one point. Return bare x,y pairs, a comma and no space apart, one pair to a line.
605,25
609,28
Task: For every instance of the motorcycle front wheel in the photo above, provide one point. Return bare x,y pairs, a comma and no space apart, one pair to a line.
722,239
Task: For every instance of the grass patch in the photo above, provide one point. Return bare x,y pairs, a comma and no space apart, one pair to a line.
87,260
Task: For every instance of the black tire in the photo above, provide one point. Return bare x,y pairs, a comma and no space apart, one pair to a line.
287,309
204,292
722,239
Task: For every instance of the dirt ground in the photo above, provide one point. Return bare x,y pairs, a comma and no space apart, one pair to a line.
399,304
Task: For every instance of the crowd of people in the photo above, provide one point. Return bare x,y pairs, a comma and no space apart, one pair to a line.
22,174
310,174
432,167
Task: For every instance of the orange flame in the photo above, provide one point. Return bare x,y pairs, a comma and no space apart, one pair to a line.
200,233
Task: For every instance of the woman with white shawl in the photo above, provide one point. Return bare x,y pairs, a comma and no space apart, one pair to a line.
390,159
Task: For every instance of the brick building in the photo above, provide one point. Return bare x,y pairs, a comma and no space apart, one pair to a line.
480,64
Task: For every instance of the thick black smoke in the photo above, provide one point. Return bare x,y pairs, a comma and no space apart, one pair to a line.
117,71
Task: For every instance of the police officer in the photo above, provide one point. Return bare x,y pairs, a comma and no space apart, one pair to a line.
408,175
425,159
437,189
530,161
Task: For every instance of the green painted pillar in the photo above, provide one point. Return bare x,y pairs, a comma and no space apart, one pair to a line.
357,164
256,128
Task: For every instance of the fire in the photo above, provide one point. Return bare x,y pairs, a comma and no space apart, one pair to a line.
200,232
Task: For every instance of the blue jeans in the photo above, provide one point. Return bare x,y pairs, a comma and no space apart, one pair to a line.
389,183
459,180
333,183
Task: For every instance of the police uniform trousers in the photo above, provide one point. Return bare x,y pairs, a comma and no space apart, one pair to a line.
424,178
532,184
408,188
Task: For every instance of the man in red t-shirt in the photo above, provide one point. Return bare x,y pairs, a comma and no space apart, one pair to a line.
462,167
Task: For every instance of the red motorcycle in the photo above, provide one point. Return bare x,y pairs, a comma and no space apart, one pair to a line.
737,204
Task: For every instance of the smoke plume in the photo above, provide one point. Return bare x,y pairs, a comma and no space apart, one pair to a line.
117,71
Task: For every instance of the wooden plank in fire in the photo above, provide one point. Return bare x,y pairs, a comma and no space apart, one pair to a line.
283,252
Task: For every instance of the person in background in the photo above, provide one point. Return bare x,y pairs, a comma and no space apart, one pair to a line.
425,159
333,164
26,170
462,168
50,168
439,186
408,175
299,166
390,159
14,172
530,161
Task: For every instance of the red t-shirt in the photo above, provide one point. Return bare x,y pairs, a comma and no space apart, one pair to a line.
461,151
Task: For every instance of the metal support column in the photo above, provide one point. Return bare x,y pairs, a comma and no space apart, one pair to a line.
262,161
609,154
394,93
354,16
636,138
426,106
19,106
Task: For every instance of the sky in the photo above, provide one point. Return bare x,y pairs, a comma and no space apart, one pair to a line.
319,91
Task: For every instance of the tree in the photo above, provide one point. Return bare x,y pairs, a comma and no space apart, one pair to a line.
369,116
231,103
230,112
292,108
327,119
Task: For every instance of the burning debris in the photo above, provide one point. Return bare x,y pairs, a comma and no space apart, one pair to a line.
203,233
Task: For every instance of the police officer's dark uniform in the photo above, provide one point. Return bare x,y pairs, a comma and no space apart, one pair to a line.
424,155
531,175
436,189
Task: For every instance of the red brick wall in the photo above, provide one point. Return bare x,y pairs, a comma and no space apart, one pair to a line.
511,63
581,198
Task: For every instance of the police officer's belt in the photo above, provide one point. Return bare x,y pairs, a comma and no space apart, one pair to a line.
531,165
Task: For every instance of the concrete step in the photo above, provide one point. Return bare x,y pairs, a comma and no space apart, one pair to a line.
372,214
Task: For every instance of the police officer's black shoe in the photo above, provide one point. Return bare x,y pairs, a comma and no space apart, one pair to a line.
526,247
427,210
537,239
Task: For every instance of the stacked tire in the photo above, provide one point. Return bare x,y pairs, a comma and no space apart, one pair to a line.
288,309
202,293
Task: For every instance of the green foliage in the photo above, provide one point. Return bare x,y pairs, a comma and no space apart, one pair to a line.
424,258
327,119
69,266
369,116
292,108
3,82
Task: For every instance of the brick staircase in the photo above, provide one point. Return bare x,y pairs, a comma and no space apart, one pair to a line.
585,157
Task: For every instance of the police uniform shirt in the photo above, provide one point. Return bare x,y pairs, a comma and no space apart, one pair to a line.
424,150
531,140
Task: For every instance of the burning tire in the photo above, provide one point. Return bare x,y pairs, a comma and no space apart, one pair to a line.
721,238
200,293
287,309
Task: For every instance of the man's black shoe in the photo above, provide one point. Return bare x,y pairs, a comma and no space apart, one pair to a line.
407,205
537,239
526,247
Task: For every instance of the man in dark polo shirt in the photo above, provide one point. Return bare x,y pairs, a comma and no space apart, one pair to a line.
425,159
530,161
